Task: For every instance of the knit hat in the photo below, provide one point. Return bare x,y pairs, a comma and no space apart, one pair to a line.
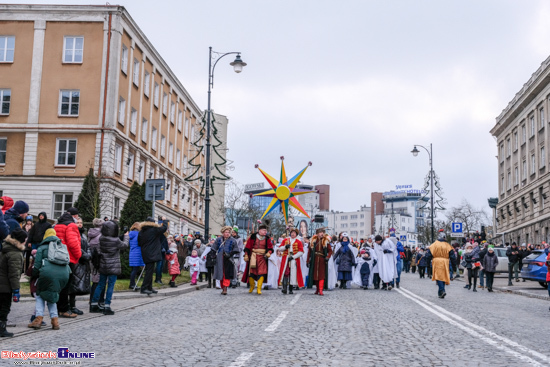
378,238
491,248
19,235
363,251
49,233
236,229
198,241
98,222
72,211
150,219
21,207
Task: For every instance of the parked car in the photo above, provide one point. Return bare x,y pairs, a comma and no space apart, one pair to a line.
534,267
502,266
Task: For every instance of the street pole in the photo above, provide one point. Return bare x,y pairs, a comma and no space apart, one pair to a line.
432,191
237,65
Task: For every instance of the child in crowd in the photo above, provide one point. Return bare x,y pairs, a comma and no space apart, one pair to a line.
193,263
365,269
173,263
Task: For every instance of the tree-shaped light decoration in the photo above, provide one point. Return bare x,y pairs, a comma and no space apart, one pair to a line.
284,191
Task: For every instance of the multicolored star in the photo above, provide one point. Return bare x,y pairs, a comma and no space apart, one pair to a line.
284,191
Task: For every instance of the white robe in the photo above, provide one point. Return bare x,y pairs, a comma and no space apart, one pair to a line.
357,272
293,268
202,262
331,274
273,272
355,251
303,262
387,263
336,247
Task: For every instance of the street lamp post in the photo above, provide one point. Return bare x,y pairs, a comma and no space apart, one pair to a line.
238,65
415,153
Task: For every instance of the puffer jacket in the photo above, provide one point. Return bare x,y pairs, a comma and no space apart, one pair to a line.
93,242
13,219
11,264
149,239
4,229
36,234
173,263
80,284
67,231
135,251
52,278
421,259
490,262
468,257
8,203
347,260
109,247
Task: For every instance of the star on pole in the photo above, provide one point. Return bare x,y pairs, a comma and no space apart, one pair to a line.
284,191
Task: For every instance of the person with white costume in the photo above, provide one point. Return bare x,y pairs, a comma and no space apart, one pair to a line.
335,248
290,274
273,266
303,262
360,261
386,253
332,270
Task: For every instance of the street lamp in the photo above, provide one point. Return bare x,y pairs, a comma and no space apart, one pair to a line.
238,65
415,153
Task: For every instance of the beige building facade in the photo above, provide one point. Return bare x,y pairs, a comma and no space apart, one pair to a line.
522,133
82,87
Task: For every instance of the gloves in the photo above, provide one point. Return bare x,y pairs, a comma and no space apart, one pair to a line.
287,247
290,258
327,258
172,262
388,252
16,295
226,255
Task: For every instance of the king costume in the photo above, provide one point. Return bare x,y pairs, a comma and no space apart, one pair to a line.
290,274
319,255
257,251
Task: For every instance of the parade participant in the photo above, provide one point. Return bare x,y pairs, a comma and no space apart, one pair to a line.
225,248
376,268
273,265
237,258
258,249
366,255
345,259
331,266
365,269
320,253
173,263
440,252
386,253
303,262
290,274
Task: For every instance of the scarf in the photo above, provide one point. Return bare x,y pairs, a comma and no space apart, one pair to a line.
345,247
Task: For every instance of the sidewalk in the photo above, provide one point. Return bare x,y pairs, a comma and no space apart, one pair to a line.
527,288
122,301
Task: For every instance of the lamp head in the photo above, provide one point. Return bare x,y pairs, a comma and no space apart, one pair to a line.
238,64
415,151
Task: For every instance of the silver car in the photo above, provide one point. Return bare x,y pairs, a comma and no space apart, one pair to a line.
502,266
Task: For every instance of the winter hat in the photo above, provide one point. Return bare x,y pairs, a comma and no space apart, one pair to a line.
49,233
72,211
236,229
198,241
173,247
226,228
19,235
21,207
98,222
363,251
491,248
150,219
378,238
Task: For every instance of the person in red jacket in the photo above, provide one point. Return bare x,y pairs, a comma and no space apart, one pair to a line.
67,231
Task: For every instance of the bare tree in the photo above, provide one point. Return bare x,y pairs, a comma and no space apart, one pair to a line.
471,217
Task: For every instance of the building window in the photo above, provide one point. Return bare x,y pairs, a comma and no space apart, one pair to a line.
121,110
116,207
532,164
66,152
362,225
133,121
353,225
532,123
162,145
509,182
118,158
180,120
523,134
156,95
3,149
541,198
343,225
165,104
354,216
141,170
73,49
541,117
344,217
542,158
170,153
502,187
131,166
516,176
172,112
151,172
7,48
146,83
144,131
509,146
502,152
178,159
61,203
5,100
186,127
135,76
524,170
516,141
124,60
69,101
154,139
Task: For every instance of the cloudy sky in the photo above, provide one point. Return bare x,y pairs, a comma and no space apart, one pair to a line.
353,85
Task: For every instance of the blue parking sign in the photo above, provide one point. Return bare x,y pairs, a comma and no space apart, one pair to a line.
456,227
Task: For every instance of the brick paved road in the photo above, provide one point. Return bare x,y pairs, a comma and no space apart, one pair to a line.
345,328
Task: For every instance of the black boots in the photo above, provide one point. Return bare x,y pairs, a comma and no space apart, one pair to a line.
285,285
95,309
290,289
172,284
3,332
107,310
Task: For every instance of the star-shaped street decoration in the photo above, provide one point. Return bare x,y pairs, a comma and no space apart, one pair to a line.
284,191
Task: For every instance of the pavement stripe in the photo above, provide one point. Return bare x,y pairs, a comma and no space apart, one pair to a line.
469,329
277,322
295,299
241,360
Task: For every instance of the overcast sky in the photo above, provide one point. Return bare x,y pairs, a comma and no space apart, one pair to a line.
353,85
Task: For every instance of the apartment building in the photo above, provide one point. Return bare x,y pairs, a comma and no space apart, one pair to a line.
82,87
521,132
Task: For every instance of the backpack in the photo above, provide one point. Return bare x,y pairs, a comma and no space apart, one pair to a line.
58,253
96,258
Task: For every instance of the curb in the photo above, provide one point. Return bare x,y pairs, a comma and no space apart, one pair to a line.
512,291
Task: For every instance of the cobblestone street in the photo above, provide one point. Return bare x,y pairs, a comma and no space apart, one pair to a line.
345,327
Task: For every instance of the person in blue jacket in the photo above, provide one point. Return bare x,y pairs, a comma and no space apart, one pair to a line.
400,250
136,261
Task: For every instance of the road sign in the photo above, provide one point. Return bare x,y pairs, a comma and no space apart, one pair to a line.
456,229
403,238
154,186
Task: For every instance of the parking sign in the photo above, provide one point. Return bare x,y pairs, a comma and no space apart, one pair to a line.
456,229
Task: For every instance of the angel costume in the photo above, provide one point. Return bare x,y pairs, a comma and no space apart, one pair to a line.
386,254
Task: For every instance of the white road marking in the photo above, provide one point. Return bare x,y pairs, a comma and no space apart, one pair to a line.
469,329
277,322
295,299
241,360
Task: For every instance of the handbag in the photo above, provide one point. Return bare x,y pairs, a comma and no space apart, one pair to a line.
463,263
477,264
